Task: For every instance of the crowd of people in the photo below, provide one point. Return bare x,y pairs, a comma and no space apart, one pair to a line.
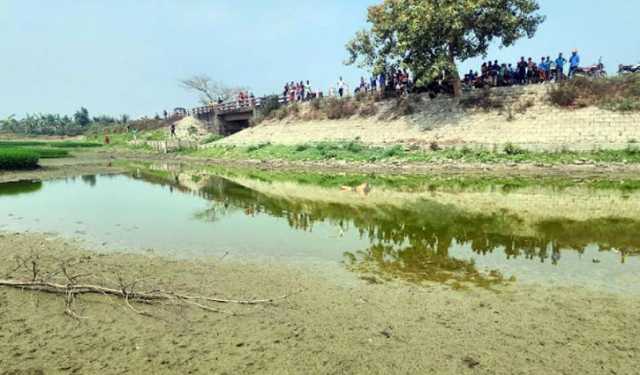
524,72
299,92
398,81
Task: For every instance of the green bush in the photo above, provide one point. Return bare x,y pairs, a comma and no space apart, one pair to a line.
563,94
511,149
18,158
354,147
393,151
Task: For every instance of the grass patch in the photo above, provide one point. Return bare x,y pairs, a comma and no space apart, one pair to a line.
18,158
49,152
357,152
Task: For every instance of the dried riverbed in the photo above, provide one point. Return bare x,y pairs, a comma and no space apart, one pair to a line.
322,327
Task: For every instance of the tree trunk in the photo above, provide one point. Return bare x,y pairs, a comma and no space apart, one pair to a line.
454,76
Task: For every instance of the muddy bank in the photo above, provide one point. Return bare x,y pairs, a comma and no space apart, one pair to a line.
107,160
326,328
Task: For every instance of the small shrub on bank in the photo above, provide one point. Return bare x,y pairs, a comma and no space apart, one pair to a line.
393,151
269,105
18,158
336,108
616,94
563,95
511,149
483,100
211,138
254,148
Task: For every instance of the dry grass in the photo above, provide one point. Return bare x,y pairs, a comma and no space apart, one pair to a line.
617,94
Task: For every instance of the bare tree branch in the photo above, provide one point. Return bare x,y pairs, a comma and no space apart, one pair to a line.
65,281
210,90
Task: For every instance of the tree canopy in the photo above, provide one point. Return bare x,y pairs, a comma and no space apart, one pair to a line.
428,36
81,117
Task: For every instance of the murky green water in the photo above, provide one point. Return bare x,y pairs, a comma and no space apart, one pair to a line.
413,229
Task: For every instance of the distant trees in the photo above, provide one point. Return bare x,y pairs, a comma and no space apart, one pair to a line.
54,124
428,36
210,90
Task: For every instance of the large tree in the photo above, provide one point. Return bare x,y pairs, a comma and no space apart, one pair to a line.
429,36
81,117
210,90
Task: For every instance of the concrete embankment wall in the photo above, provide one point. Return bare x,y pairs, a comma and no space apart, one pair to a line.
526,119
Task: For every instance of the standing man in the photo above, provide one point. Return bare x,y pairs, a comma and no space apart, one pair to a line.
560,61
173,130
341,87
382,83
574,63
522,71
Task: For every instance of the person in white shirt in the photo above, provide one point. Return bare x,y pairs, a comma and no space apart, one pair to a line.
341,87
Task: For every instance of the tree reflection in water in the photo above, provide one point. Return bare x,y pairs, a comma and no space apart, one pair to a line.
413,242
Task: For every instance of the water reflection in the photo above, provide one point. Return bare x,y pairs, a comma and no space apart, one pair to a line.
19,187
414,241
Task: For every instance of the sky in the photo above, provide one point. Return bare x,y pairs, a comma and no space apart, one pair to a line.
122,56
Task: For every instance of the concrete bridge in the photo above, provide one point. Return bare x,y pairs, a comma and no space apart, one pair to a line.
228,118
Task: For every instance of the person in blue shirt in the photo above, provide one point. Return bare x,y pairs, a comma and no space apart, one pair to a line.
560,61
574,63
544,69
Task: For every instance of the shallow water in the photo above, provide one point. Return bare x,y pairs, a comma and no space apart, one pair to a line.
391,232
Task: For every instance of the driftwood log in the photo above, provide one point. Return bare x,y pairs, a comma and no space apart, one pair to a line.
60,280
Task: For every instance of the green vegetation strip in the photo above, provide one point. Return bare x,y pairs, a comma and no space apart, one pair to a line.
357,152
63,144
404,183
18,158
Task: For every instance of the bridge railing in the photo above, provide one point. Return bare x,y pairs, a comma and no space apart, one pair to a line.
233,106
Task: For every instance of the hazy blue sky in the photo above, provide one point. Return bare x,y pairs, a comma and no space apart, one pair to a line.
123,56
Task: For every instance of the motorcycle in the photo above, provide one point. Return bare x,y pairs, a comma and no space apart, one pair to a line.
629,69
593,71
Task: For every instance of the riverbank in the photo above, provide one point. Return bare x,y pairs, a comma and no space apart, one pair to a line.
322,327
110,159
480,120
